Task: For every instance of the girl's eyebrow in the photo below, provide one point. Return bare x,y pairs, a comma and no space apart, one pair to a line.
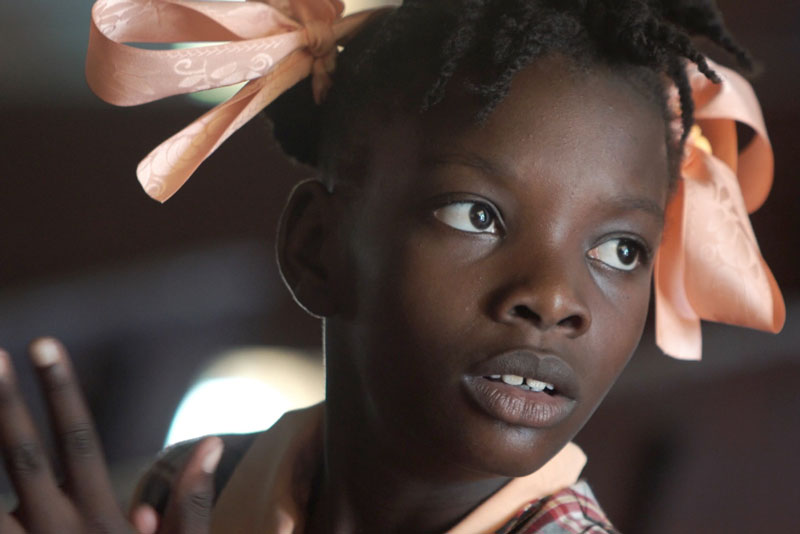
436,159
636,203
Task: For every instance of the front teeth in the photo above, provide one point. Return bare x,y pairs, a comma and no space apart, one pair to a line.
527,383
537,385
513,380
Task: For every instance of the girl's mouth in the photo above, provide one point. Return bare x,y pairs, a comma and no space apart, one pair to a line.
532,403
524,387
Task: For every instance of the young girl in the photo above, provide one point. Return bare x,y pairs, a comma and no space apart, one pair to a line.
495,178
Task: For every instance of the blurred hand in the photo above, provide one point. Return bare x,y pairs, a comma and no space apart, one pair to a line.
84,503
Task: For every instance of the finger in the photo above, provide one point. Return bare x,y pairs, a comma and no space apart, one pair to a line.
25,460
81,454
192,496
144,519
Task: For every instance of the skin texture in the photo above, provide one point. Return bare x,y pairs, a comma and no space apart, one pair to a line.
415,299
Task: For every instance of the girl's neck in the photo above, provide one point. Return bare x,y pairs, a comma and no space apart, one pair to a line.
368,485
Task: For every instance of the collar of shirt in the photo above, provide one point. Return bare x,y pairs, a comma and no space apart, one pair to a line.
269,489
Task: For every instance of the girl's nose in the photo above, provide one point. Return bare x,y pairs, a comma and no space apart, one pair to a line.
547,301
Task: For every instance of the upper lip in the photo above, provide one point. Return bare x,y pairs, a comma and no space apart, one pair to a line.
531,363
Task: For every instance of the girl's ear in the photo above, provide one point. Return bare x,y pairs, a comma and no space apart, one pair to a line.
306,247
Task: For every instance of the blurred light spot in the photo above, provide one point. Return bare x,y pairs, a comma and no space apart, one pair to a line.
247,390
217,403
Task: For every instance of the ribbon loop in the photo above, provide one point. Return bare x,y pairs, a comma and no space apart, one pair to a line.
260,36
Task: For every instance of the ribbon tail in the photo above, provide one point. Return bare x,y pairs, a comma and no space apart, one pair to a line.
778,304
164,171
709,265
677,325
730,281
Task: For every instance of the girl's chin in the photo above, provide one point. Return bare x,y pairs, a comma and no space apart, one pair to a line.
511,465
496,449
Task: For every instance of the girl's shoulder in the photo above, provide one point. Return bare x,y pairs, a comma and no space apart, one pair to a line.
155,485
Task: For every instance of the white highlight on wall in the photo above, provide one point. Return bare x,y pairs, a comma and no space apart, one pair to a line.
247,390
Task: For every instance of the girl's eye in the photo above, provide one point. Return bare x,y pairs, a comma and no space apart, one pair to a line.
619,253
468,216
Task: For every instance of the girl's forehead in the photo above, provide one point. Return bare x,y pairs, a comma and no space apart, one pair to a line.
591,129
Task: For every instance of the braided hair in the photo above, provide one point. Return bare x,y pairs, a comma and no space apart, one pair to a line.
410,57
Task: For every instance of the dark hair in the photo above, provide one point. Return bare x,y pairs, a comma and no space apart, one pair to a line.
407,57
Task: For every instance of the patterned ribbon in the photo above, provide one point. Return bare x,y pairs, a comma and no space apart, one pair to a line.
270,45
708,267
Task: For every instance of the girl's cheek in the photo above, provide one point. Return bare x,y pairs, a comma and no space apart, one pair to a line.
623,296
619,314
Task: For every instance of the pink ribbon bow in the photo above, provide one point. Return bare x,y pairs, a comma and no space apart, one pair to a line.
709,265
272,44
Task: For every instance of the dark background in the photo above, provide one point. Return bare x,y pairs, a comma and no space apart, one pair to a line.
145,295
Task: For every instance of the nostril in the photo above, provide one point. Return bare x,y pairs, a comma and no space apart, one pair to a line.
573,322
525,312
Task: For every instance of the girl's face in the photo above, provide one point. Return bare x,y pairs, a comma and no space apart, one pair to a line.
480,257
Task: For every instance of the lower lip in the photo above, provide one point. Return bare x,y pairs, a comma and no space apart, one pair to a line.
516,406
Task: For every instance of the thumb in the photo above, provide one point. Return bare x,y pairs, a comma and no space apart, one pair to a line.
192,495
